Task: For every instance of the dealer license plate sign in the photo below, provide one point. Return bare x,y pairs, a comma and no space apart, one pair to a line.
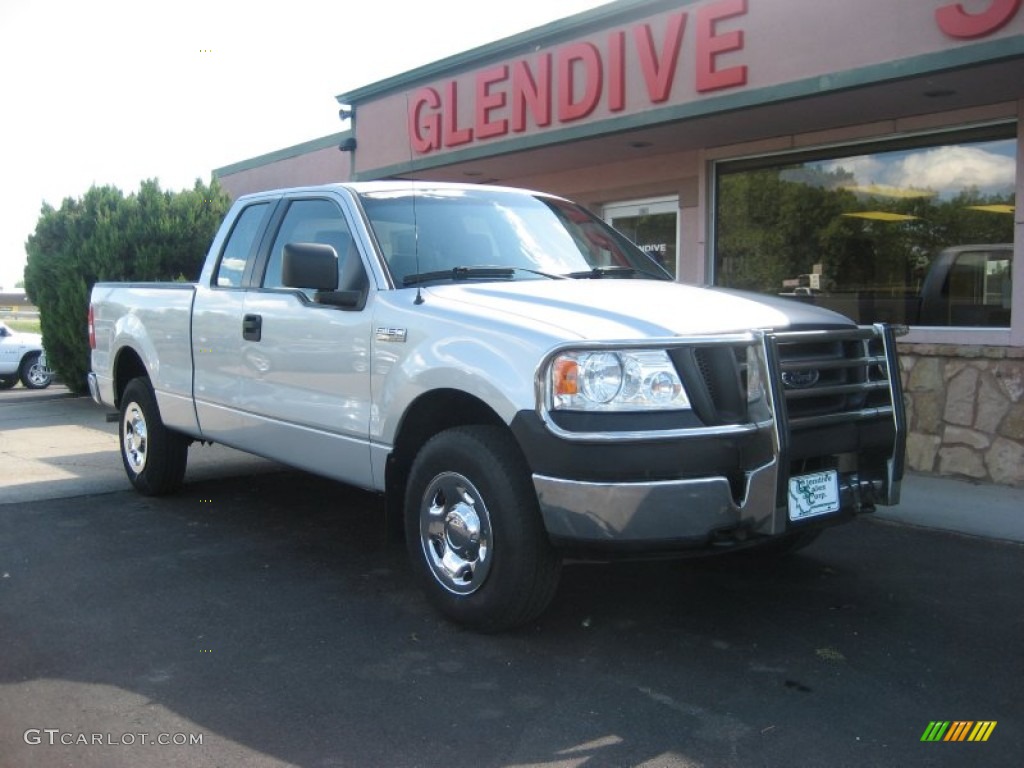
813,495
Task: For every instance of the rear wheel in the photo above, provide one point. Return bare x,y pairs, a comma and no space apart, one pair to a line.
474,531
34,375
154,456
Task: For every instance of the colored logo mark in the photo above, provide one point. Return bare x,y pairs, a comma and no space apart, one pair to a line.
959,730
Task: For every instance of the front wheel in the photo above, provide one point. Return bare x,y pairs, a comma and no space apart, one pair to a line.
474,531
34,374
154,456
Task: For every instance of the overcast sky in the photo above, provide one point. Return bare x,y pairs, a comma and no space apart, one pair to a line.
114,92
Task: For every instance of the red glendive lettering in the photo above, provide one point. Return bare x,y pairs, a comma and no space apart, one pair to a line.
660,71
570,59
957,22
488,101
710,45
570,83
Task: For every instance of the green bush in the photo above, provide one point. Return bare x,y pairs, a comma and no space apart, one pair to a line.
105,236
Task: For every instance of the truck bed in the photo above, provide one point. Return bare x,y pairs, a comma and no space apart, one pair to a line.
158,315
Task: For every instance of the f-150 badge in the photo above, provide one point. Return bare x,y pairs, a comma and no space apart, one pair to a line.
391,334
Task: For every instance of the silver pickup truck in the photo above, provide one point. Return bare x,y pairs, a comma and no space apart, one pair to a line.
22,357
522,383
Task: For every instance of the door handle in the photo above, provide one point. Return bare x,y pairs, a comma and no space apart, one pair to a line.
252,327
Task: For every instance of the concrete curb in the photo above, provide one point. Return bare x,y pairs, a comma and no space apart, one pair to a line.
976,509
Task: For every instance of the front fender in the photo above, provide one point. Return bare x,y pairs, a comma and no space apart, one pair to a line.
494,373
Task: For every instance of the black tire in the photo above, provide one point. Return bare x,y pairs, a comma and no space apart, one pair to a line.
154,456
8,382
506,575
34,375
786,545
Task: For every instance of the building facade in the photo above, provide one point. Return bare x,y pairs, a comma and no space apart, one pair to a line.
865,156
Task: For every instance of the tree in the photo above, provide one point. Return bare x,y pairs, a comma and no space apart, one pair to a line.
770,224
149,235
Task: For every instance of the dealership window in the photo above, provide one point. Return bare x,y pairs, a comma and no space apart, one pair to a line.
651,224
918,232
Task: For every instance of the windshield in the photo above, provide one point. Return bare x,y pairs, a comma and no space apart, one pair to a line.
450,233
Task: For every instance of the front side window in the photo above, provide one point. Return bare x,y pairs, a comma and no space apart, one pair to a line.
309,221
920,235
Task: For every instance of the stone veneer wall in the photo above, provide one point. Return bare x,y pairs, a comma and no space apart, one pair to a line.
965,408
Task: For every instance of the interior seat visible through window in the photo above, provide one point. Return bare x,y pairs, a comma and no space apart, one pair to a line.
317,221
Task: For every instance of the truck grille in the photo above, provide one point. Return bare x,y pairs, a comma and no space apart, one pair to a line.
833,376
826,377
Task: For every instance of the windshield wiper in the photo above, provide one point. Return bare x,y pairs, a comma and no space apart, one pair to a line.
598,272
601,272
470,273
459,273
539,272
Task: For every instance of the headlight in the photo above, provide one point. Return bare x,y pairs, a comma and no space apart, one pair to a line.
624,380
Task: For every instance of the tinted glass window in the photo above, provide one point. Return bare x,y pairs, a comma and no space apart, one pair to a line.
436,230
239,246
309,221
891,235
653,230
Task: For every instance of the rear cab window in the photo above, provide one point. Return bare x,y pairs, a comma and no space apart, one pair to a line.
240,246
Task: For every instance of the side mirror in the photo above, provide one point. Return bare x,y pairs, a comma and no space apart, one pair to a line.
310,265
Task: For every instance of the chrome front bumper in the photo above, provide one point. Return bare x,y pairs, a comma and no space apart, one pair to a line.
701,509
681,510
654,511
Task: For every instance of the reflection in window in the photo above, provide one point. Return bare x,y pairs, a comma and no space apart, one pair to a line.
972,287
654,233
921,236
239,246
308,221
429,229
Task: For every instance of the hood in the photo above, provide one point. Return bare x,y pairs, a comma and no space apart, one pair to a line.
25,339
635,309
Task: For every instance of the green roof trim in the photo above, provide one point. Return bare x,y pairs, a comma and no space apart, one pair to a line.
524,42
980,53
313,145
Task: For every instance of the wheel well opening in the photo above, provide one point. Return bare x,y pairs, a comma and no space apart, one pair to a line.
429,414
128,366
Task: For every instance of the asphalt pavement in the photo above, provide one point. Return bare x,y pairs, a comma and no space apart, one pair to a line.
54,444
263,612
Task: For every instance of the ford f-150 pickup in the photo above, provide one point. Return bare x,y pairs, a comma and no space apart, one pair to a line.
522,383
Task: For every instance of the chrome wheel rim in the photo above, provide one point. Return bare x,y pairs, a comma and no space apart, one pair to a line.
455,533
38,374
134,437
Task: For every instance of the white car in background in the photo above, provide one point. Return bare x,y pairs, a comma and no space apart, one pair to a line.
22,357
